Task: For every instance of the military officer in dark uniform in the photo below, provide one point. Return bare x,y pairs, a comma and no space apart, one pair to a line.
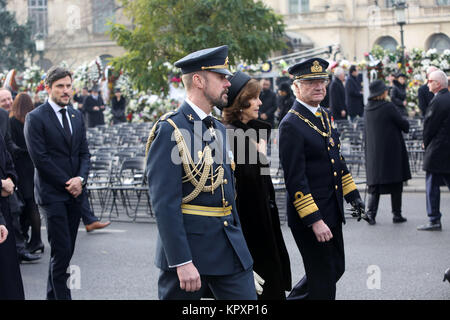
317,179
200,246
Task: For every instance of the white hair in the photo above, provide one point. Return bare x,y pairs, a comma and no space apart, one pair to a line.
431,69
440,77
338,71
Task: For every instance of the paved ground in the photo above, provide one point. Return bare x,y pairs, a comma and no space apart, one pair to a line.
117,263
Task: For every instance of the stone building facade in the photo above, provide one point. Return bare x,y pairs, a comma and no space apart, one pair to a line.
75,30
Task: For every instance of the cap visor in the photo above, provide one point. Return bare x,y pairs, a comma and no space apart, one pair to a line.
222,71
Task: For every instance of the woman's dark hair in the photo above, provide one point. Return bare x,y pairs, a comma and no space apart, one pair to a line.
21,106
352,69
251,90
55,73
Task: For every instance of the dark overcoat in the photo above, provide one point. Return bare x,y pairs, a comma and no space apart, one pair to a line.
436,134
11,286
398,96
257,209
354,97
118,109
269,105
337,98
385,150
94,117
22,162
425,96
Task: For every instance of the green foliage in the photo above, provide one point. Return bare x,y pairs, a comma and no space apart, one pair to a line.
15,41
166,30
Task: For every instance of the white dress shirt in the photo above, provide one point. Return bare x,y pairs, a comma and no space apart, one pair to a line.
57,109
201,114
310,108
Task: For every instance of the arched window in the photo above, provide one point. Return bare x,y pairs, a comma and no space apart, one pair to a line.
387,43
438,41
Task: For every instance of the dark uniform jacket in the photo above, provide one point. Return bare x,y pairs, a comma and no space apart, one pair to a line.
425,95
315,172
354,97
94,117
337,98
385,153
398,96
257,209
436,134
216,245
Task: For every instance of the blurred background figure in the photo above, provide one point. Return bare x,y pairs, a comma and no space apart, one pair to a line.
269,102
118,105
94,107
424,94
25,171
387,165
337,95
398,94
353,94
285,99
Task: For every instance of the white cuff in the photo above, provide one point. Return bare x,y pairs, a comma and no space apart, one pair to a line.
181,264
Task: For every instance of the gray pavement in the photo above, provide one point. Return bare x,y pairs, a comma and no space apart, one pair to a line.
117,262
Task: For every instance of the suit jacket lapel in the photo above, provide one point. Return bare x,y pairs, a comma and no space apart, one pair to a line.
56,122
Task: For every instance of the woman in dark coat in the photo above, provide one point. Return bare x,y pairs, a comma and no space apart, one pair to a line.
398,94
25,170
387,165
118,105
11,287
255,193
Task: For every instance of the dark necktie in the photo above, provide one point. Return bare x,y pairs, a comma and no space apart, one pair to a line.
65,123
209,122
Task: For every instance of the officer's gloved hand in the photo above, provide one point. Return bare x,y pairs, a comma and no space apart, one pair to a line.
259,282
358,209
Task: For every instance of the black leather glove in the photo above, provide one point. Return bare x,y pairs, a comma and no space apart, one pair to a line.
358,209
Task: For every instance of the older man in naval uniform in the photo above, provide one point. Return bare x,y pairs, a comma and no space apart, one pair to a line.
317,180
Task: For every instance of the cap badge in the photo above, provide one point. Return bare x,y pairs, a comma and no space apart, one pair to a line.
316,67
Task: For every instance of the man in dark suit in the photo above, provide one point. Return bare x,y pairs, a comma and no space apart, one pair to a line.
269,102
200,246
94,107
56,140
317,180
424,94
436,140
337,95
353,94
